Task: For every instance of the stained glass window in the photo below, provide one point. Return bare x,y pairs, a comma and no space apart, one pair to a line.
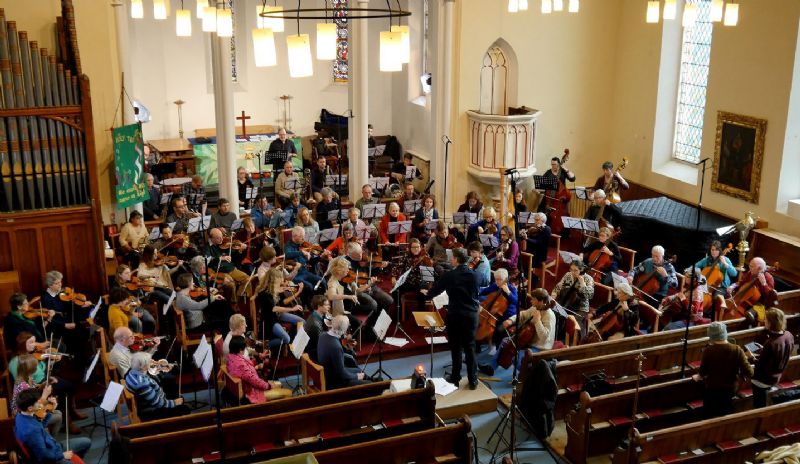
341,63
695,57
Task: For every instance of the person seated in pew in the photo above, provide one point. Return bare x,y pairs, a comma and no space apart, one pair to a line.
132,238
126,311
373,296
618,318
282,184
540,317
225,288
315,323
575,290
715,258
253,242
330,356
151,400
304,220
170,244
318,175
201,316
295,250
412,260
409,194
347,298
17,322
223,217
537,241
611,181
69,318
26,368
293,209
180,214
273,310
338,247
479,263
772,358
508,292
423,217
256,389
390,243
655,267
721,367
472,204
758,275
507,255
31,433
268,261
606,246
328,202
263,214
676,305
519,206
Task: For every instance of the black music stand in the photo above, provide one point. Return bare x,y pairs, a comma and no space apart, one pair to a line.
545,182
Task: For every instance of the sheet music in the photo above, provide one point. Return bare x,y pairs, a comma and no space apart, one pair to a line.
237,224
91,366
568,257
373,211
431,226
250,193
155,234
401,280
382,324
411,172
465,218
165,198
440,385
436,340
377,151
527,217
399,227
194,224
449,253
582,193
169,302
291,183
378,183
618,279
200,352
299,344
489,240
590,225
363,232
333,179
328,235
427,273
411,206
111,397
725,230
96,308
441,300
395,341
572,223
207,366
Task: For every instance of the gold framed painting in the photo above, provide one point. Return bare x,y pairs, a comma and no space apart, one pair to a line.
738,155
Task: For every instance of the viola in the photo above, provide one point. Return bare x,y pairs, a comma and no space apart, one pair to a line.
140,342
450,242
348,342
68,294
492,308
34,314
228,243
712,272
217,277
313,249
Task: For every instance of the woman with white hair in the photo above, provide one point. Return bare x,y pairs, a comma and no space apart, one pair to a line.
331,356
655,267
151,401
508,293
620,317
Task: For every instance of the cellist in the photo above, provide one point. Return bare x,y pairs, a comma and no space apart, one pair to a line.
509,293
575,289
717,263
602,210
656,268
593,256
757,276
620,315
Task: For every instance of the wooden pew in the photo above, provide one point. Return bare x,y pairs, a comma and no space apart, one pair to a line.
299,431
661,364
733,438
146,429
603,421
448,444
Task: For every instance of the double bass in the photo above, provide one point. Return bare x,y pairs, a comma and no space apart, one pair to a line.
558,204
610,188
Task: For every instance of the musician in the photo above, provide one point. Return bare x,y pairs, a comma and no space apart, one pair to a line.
626,308
152,206
398,173
543,320
423,217
509,293
353,218
391,242
67,319
151,401
294,251
222,260
318,175
338,247
344,297
520,206
375,297
370,138
575,290
472,204
409,194
487,225
253,243
126,311
121,354
605,246
31,433
367,199
273,310
282,144
132,238
195,187
479,263
26,368
262,213
282,192
461,285
412,260
438,245
223,218
681,301
723,263
156,274
720,368
15,322
537,240
326,204
507,252
331,356
763,280
611,181
215,317
197,266
180,215
256,390
292,209
773,357
309,225
602,210
315,323
243,182
661,270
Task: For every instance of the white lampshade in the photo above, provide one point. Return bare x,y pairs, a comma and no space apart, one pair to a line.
731,14
326,41
224,23
652,11
405,43
716,10
209,19
689,14
390,51
137,9
299,55
201,5
183,23
513,6
159,9
558,5
574,6
547,7
276,24
523,5
670,9
264,47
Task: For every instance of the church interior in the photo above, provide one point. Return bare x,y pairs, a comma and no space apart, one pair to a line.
533,230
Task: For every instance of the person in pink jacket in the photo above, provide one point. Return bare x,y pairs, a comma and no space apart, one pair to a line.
255,388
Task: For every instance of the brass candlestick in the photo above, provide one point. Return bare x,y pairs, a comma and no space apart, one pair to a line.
744,227
179,103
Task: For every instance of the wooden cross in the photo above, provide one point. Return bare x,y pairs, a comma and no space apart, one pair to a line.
243,118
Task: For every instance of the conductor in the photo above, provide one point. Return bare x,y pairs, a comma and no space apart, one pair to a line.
461,285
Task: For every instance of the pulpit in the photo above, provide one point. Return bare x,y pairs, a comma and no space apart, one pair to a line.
502,141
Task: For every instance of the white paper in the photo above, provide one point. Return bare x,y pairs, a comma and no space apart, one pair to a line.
436,340
194,224
237,224
465,218
441,300
725,230
382,324
207,366
401,280
399,227
111,398
411,172
91,366
572,223
590,225
489,240
582,193
618,279
154,234
96,308
298,346
442,386
328,235
169,302
378,183
200,352
395,341
568,257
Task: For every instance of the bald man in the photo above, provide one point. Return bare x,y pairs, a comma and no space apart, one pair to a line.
282,143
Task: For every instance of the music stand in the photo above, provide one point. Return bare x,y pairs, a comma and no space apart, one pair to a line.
195,200
237,224
545,182
376,151
159,170
489,240
166,198
399,227
582,193
411,172
198,223
411,206
396,292
328,235
297,347
363,232
527,217
430,321
373,211
249,196
274,158
465,219
285,218
431,226
339,182
291,183
380,328
379,183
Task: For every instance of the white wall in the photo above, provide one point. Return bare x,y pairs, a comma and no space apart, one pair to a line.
168,68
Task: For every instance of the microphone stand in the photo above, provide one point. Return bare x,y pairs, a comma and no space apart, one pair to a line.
447,143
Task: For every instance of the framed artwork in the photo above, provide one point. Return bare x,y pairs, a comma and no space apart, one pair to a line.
738,155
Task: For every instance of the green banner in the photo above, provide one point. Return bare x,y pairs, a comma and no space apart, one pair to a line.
129,160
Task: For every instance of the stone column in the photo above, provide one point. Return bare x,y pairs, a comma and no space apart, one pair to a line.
443,83
359,89
224,118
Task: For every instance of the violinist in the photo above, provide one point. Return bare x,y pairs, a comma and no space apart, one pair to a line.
304,220
180,215
18,320
123,278
318,175
353,218
657,268
68,317
292,210
716,259
604,245
170,244
611,181
602,210
509,293
294,250
223,217
479,263
327,203
225,288
487,225
243,182
120,354
520,206
273,311
222,261
412,260
391,242
315,323
537,241
507,252
541,317
157,274
575,290
253,243
372,297
344,297
263,214
438,245
758,275
624,310
31,433
338,247
331,356
425,216
132,238
256,389
26,368
126,311
199,315
151,400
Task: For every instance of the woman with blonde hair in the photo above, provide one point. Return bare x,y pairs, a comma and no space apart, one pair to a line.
273,310
343,297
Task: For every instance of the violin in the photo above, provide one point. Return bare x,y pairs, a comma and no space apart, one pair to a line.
475,263
40,313
198,293
169,260
49,353
361,278
492,308
159,366
450,242
68,294
217,277
348,342
712,272
313,249
228,243
141,343
45,408
137,284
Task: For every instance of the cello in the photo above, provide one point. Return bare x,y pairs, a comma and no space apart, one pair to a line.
746,296
599,262
492,308
524,338
712,272
648,284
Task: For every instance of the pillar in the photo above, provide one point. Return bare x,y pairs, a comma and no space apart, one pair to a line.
357,146
225,119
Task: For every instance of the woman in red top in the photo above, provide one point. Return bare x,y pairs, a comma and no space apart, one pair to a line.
390,242
256,389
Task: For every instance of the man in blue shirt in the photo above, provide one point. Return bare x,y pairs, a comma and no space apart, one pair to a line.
30,431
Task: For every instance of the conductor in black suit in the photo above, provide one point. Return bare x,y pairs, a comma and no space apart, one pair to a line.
461,285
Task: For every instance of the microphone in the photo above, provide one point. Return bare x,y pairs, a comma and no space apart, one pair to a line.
446,139
511,171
